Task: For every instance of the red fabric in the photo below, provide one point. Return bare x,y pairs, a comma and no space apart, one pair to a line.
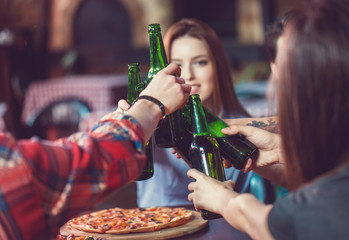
43,184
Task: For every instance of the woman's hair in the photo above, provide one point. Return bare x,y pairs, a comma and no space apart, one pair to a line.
224,94
273,33
313,90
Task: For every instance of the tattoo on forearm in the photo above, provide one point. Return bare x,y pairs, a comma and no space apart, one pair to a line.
270,126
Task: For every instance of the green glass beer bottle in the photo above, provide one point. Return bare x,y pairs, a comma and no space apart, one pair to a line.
236,148
168,132
133,90
187,134
134,80
204,151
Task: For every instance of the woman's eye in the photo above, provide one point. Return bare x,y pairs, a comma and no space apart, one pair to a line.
201,62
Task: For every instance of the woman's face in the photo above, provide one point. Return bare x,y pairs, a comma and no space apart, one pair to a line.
197,66
279,56
274,77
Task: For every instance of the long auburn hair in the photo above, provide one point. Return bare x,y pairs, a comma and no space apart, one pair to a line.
313,91
223,95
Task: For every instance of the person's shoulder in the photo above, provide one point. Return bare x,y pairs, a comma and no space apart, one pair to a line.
330,187
316,202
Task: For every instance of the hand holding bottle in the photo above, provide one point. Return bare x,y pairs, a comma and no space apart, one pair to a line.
209,193
241,210
267,143
170,90
269,161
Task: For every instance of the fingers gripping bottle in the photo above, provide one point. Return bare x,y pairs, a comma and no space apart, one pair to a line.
134,88
204,152
235,148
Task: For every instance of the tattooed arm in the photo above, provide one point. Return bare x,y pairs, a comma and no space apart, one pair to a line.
269,124
263,132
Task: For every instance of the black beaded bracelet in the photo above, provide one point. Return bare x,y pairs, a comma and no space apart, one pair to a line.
154,100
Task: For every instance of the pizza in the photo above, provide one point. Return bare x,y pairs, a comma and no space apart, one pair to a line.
124,221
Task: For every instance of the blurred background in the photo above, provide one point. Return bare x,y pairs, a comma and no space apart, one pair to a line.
67,40
63,60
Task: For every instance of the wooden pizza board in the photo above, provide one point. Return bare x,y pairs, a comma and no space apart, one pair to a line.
195,224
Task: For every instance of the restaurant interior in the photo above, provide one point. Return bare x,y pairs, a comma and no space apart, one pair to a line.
54,52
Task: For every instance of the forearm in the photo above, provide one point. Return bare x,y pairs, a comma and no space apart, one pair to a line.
273,167
246,213
275,173
263,132
267,123
147,114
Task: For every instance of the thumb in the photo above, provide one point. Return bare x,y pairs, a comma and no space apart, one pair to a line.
230,183
123,105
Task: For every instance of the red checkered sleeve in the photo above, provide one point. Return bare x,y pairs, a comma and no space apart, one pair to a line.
43,184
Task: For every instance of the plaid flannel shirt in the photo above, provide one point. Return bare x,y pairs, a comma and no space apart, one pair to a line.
43,183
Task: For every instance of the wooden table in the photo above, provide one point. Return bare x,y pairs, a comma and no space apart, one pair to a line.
217,229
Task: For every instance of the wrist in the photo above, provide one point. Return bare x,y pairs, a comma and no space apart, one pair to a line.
154,101
225,201
148,108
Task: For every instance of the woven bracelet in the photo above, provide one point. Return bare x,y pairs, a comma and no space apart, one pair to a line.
154,100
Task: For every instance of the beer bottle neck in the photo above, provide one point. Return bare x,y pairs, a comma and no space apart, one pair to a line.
134,80
157,52
198,117
158,58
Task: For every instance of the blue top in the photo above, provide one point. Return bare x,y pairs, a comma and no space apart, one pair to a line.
169,184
